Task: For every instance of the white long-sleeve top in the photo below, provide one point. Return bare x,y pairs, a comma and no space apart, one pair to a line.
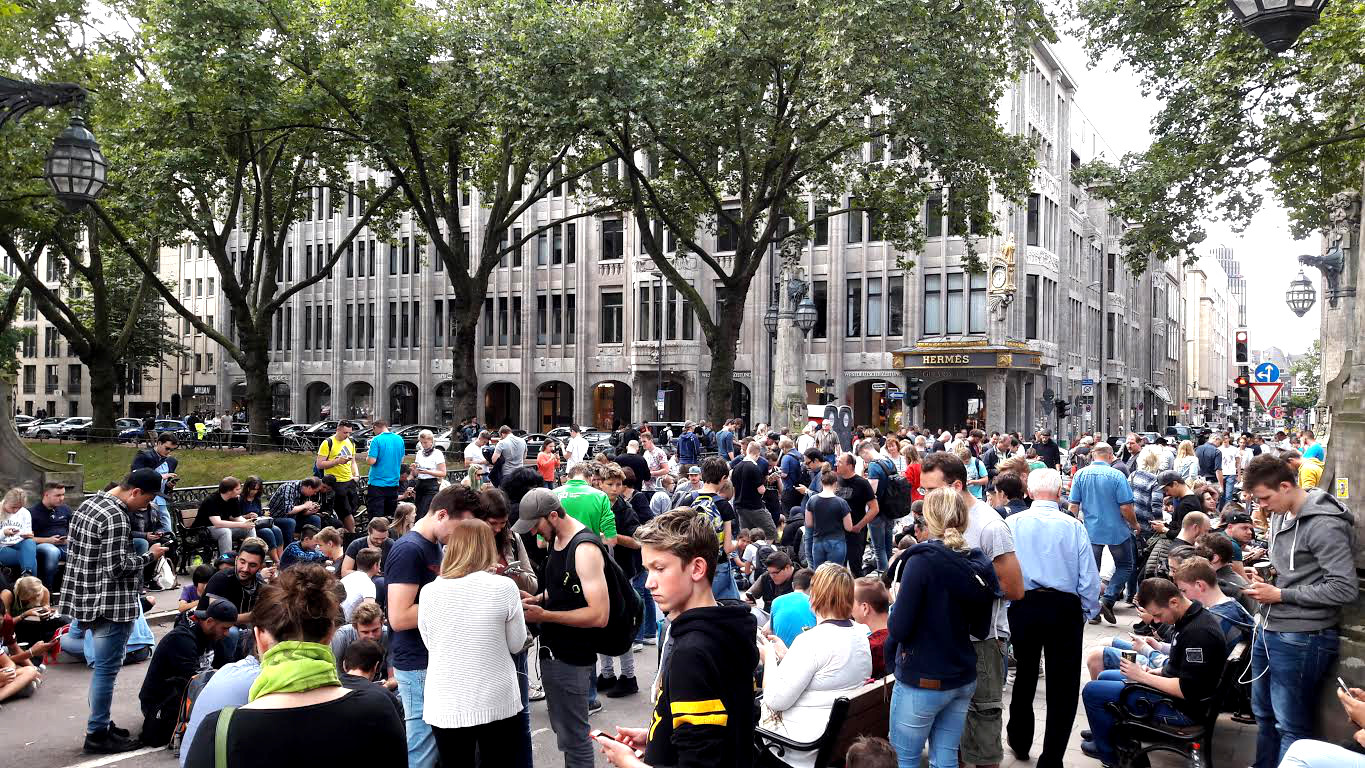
822,664
20,519
471,627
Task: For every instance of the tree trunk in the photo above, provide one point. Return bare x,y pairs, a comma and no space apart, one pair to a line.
464,372
259,402
724,347
104,380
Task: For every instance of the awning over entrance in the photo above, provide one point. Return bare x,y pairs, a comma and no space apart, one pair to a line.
966,355
1161,392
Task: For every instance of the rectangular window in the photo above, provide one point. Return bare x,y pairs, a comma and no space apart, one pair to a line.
439,327
369,257
208,358
874,306
820,294
933,305
557,319
727,231
393,325
853,308
393,258
895,306
611,317
350,326
542,249
1031,307
279,332
350,199
613,244
328,327
643,308
467,178
502,321
187,293
570,311
516,247
317,328
405,257
1110,322
542,321
488,322
1033,223
822,224
671,313
933,215
308,327
855,223
350,259
956,320
516,320
321,202
976,304
557,247
1110,259
570,244
73,379
403,339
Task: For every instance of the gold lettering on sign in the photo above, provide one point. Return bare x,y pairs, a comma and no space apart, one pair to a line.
945,359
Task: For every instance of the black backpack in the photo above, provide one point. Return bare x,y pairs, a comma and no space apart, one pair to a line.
626,609
893,493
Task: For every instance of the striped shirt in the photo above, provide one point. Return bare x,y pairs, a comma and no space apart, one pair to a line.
103,575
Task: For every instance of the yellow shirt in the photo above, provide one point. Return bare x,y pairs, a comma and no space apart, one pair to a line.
1310,473
330,449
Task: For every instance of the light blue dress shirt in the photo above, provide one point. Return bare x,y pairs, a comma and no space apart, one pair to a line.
1101,490
1054,552
230,686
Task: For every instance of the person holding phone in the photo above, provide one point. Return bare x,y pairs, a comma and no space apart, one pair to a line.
51,520
17,547
1310,753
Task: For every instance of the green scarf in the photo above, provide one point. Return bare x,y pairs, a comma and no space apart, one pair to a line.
294,666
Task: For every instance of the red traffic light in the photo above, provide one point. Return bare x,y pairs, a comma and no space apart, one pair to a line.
1242,381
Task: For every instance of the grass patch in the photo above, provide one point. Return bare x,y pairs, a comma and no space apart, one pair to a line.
105,462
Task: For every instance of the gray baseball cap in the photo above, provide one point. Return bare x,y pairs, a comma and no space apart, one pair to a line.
536,504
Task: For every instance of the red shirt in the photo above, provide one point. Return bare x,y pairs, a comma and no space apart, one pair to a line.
912,474
547,462
877,641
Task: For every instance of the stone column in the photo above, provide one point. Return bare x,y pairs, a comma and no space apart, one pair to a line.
789,360
995,400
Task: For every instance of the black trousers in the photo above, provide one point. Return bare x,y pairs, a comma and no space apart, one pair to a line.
1050,624
457,747
856,544
382,501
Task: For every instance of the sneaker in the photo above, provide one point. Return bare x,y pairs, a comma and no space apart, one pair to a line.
594,707
108,743
605,683
637,647
537,693
1143,629
651,641
117,731
1096,620
625,686
1107,611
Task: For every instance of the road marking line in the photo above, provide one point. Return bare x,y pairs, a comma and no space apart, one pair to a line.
111,759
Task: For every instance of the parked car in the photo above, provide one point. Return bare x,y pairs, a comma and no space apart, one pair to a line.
74,428
43,428
410,433
21,422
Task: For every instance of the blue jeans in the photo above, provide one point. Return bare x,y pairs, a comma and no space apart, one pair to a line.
49,555
647,627
524,683
880,532
421,743
920,714
1229,481
140,546
1097,693
1123,567
828,549
288,525
270,534
1288,669
1307,753
107,645
723,586
24,555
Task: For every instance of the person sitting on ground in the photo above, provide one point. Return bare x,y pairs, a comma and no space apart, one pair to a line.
1184,686
367,623
35,620
180,656
871,608
403,518
825,662
192,592
359,583
791,613
777,581
1217,549
314,546
17,680
298,691
376,535
362,662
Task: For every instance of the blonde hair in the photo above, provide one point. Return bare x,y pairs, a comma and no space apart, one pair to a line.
963,452
15,497
831,591
469,549
909,451
403,518
945,515
1186,449
1149,460
28,590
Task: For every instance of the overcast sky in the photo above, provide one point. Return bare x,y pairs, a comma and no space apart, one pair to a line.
1111,99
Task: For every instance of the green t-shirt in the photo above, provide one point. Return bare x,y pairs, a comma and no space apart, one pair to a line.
588,506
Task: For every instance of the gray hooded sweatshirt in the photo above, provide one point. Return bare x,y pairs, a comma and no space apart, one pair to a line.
1313,555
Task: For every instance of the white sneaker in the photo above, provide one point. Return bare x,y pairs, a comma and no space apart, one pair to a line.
637,647
651,641
537,693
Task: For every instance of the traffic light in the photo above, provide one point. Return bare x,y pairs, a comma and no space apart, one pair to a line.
1243,393
1242,358
1063,408
912,395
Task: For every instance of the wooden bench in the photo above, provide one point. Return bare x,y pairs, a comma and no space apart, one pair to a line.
866,713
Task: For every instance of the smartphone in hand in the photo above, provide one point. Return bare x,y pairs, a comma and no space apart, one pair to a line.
595,734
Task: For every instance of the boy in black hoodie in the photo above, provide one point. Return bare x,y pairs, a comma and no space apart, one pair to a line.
703,697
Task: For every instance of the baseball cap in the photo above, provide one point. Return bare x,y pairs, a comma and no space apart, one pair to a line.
1232,518
536,504
1168,477
220,609
693,470
226,557
145,480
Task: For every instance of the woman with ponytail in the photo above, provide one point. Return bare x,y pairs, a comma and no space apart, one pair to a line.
947,590
298,691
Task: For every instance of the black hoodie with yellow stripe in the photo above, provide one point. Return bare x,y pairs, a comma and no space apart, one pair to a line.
704,712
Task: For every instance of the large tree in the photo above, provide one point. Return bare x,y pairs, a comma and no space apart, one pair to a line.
1235,121
731,116
464,96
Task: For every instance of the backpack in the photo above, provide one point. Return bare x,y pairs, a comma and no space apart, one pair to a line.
694,443
761,555
626,610
318,471
893,493
182,721
706,503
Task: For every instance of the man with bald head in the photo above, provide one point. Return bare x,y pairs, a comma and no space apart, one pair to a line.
1102,497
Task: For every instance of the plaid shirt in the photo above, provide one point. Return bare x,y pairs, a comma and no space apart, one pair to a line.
102,573
285,498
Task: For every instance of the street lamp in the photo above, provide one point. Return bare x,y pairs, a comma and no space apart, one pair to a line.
806,315
75,167
1301,295
770,320
1277,23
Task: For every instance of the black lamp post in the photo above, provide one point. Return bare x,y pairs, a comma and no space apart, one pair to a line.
1301,295
75,167
770,320
806,315
1277,23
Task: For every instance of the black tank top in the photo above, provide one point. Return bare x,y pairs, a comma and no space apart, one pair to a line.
563,593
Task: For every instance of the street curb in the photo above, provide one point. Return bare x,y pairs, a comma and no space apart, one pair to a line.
161,617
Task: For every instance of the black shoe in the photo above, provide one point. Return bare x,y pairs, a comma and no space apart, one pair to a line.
1019,754
1089,749
1087,735
625,686
1095,620
605,683
117,731
1107,611
594,707
1143,629
108,743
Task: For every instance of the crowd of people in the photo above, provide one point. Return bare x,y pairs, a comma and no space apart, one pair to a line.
796,567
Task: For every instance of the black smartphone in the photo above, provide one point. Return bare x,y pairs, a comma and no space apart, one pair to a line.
595,733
